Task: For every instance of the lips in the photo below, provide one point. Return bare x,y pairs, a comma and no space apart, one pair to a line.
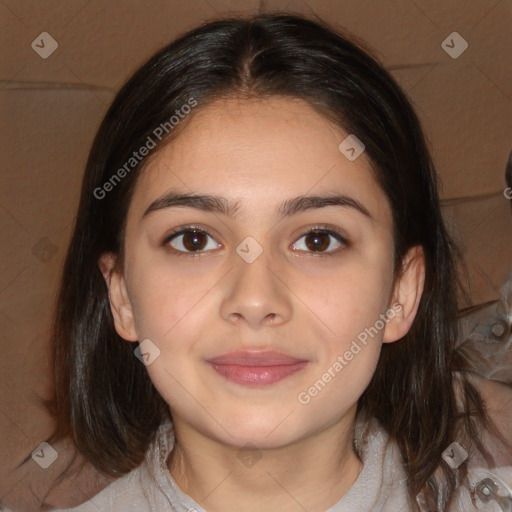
256,368
247,358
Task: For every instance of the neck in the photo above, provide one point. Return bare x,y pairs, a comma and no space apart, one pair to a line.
311,474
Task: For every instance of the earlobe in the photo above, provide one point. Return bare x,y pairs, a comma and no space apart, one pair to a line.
407,293
120,305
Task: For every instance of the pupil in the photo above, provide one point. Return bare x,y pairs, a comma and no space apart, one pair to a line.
318,241
192,241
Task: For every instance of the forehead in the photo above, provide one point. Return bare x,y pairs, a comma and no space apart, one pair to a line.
258,150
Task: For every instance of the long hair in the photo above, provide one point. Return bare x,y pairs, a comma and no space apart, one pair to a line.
104,397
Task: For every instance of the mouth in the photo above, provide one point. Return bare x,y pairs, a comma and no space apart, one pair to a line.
256,368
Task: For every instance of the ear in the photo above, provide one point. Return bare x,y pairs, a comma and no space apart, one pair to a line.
406,295
120,304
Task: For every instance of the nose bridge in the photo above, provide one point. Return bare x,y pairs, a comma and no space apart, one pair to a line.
255,293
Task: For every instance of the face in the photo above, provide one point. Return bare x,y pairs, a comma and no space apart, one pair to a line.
263,268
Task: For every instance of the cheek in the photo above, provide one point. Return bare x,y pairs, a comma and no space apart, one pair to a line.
350,297
336,389
351,306
350,303
165,302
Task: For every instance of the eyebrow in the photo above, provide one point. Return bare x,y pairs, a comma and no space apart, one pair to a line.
217,204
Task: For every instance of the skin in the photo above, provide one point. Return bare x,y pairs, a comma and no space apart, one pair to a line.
292,298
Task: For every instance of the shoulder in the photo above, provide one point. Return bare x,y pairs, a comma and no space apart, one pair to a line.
141,489
120,495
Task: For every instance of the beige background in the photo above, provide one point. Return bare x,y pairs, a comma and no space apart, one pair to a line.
50,109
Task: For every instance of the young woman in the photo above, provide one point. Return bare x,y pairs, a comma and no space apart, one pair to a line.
258,306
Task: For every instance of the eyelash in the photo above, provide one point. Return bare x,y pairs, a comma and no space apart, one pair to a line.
322,229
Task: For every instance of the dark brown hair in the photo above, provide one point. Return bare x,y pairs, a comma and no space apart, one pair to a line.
104,397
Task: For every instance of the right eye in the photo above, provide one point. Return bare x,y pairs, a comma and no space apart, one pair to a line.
191,240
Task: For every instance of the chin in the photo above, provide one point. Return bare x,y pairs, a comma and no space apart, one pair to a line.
272,431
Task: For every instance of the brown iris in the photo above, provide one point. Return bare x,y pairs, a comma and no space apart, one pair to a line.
317,241
194,240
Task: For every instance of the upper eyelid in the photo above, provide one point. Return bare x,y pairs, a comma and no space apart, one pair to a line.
192,227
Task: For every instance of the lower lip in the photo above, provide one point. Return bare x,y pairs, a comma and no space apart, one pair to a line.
262,375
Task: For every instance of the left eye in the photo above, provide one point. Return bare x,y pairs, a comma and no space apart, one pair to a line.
319,241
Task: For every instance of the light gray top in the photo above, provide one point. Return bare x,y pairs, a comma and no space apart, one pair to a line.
380,487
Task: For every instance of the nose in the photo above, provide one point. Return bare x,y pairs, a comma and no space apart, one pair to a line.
256,294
